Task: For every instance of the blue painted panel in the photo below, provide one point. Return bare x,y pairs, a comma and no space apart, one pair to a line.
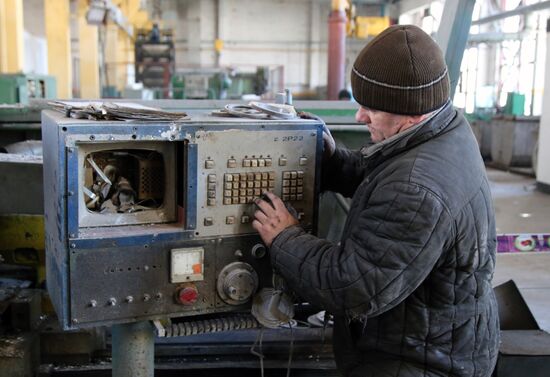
191,200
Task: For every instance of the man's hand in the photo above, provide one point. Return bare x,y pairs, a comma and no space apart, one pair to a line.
271,219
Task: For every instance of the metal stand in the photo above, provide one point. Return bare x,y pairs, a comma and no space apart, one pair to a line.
133,350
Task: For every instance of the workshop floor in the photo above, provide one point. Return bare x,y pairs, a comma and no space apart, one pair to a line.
520,208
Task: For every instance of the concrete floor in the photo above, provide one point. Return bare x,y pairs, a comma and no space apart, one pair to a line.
520,208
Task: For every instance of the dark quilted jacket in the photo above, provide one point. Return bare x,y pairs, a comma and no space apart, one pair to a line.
410,282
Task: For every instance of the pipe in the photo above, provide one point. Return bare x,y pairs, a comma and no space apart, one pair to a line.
336,49
514,12
133,350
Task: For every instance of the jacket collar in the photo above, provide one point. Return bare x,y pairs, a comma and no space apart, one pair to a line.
429,128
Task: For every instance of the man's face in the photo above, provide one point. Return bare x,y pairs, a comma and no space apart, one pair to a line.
383,125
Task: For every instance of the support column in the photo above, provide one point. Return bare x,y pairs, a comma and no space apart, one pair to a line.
453,34
133,350
336,49
543,168
89,56
11,36
58,36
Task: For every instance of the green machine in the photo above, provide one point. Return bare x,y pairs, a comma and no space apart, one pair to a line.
20,88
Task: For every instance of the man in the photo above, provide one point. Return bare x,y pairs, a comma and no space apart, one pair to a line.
410,282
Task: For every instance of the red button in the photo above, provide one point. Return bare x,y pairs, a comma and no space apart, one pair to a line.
188,295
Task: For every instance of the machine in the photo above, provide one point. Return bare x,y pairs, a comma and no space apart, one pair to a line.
20,88
148,220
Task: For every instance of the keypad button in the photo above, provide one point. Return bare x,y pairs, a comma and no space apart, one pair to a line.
250,184
292,197
242,192
211,193
228,177
257,184
208,221
293,190
212,178
211,202
299,197
235,193
268,162
254,163
243,176
286,175
242,184
271,184
242,200
300,174
250,176
303,161
271,175
227,193
245,219
231,163
261,162
211,186
286,197
235,200
264,184
246,163
282,161
235,185
286,182
293,174
293,182
300,182
230,220
257,192
299,189
209,164
258,176
286,190
249,192
227,201
228,185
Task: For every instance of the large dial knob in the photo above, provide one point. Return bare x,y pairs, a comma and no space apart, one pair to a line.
237,282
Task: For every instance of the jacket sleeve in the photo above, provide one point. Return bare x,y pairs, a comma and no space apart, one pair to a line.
342,172
392,247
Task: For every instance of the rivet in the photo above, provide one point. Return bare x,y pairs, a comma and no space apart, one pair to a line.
73,245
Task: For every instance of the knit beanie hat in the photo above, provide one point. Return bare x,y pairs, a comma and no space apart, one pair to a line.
401,71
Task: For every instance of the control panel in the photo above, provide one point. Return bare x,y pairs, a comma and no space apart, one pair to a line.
154,219
237,166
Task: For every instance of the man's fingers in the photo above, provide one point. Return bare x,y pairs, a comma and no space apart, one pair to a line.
264,206
277,202
257,225
260,216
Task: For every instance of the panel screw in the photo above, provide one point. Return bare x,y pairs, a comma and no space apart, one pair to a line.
146,268
75,320
73,245
129,299
158,296
93,303
112,301
146,297
238,253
